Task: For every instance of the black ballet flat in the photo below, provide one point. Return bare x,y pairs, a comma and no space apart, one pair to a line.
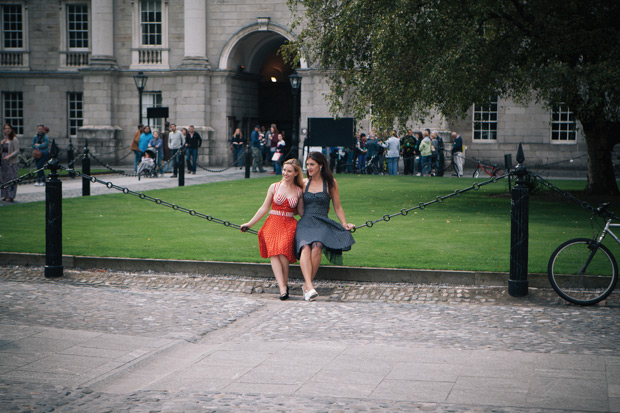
285,295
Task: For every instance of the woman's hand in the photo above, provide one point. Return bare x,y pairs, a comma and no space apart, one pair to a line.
244,227
348,226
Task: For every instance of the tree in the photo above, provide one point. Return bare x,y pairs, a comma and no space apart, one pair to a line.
402,57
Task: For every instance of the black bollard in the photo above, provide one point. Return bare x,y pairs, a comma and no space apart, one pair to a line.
53,218
248,160
86,171
181,160
519,217
71,158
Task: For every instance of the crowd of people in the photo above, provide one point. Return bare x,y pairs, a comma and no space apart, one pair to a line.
421,152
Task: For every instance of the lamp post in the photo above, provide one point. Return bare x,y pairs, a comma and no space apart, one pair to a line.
140,80
295,80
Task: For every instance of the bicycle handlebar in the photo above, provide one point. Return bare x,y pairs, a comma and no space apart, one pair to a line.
603,211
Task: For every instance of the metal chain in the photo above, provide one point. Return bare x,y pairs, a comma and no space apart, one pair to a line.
158,201
571,197
214,170
438,200
108,167
28,176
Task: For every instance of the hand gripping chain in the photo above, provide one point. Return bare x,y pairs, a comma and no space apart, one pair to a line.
438,200
159,201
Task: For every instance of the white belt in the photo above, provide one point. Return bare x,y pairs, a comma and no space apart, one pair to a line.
282,213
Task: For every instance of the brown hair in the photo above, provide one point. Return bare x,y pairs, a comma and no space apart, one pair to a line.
326,173
11,135
299,181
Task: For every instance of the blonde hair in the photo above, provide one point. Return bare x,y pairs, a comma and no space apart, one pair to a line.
299,178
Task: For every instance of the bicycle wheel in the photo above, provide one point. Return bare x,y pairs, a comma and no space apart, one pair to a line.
476,173
582,272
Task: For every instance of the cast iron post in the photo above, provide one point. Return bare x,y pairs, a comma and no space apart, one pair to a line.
519,217
181,162
53,218
86,171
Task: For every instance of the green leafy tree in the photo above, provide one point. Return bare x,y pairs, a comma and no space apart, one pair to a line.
398,59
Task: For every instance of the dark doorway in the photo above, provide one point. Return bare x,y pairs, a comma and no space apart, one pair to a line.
275,99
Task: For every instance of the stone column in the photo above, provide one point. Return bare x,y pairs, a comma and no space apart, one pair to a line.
195,35
102,34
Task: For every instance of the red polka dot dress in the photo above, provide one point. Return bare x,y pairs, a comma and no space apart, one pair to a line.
277,236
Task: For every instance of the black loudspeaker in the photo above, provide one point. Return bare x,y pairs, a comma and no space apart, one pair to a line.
508,162
157,113
331,132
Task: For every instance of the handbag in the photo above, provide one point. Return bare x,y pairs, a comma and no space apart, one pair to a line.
37,154
276,156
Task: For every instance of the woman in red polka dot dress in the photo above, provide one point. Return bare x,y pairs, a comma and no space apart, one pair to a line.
276,238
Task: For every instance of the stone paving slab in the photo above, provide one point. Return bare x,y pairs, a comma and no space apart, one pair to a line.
228,344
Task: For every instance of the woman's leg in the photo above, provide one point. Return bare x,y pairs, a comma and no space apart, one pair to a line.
317,249
279,265
305,262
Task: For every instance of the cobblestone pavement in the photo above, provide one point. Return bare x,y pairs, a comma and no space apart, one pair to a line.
214,313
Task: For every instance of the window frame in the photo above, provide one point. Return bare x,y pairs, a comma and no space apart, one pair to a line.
571,123
67,29
488,115
23,26
152,99
16,121
71,119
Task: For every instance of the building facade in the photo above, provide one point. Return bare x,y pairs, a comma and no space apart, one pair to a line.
70,64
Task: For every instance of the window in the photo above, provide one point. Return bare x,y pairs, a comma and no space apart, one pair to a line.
75,114
77,26
12,26
485,121
152,100
151,22
13,110
563,125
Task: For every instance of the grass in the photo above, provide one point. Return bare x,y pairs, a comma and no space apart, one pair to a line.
471,232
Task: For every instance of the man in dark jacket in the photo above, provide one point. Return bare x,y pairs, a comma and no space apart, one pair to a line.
257,158
193,141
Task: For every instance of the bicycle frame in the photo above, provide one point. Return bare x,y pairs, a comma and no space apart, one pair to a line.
606,231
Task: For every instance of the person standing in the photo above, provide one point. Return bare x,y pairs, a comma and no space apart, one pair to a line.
316,233
257,158
175,143
157,143
237,147
393,152
193,141
426,153
362,153
10,162
277,236
418,158
273,137
457,153
135,147
372,146
165,136
407,145
435,154
41,142
145,138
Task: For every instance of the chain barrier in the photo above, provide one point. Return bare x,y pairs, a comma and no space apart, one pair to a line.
438,200
214,170
30,175
567,195
158,201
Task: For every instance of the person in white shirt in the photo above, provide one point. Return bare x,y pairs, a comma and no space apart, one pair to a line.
393,153
175,142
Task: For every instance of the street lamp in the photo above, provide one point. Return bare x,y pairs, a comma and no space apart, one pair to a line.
140,80
295,80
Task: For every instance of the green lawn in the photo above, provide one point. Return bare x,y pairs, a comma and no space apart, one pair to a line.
471,232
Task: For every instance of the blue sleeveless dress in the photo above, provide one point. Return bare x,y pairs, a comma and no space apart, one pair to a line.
314,226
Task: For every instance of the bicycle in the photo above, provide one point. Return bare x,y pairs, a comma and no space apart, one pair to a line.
582,270
490,169
25,162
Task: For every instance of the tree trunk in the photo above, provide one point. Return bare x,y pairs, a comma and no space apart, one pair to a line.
600,139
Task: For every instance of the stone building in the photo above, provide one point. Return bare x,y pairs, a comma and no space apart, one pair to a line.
70,64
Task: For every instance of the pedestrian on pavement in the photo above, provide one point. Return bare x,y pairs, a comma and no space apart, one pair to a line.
407,148
273,137
257,157
426,153
165,136
10,162
276,238
316,233
40,145
158,143
193,141
135,147
393,153
175,143
237,147
436,150
362,153
278,156
457,153
145,138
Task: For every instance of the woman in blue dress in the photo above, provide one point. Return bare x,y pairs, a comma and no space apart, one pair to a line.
316,233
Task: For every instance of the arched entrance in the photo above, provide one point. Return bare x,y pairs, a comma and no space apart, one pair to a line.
260,91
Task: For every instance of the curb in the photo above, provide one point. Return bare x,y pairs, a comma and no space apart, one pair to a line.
333,273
